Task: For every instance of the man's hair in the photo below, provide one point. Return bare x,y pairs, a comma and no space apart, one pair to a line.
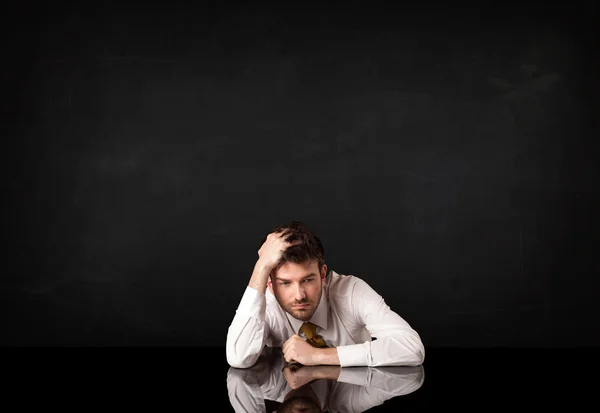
310,247
308,404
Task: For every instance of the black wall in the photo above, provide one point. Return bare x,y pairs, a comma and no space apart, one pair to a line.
447,155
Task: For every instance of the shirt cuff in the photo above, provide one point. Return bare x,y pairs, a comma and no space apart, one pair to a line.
253,303
354,355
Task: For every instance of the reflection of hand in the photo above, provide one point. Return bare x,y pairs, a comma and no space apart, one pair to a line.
297,375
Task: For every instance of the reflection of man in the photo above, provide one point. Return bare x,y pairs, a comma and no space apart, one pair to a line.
287,387
316,316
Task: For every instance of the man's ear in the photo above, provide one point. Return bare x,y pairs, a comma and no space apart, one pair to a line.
270,284
323,272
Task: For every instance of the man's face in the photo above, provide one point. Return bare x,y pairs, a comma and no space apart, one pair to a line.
298,288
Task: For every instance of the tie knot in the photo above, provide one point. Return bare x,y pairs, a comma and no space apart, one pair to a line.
309,329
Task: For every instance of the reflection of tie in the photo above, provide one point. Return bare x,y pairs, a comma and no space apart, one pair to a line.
310,330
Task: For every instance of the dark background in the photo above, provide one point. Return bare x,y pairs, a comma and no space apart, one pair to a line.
446,154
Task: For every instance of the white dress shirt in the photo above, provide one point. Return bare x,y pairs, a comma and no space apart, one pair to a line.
356,390
349,314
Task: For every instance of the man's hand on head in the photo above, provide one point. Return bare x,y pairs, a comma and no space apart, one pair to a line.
273,248
269,254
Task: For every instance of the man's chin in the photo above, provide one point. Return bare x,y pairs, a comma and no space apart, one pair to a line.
303,315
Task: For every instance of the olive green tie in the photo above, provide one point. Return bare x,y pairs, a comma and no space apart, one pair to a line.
310,331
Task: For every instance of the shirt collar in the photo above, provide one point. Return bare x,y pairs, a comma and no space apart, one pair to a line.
319,317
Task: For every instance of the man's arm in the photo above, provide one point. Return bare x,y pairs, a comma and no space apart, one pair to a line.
397,344
248,332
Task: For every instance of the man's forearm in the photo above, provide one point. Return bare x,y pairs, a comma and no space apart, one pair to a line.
247,331
259,277
327,356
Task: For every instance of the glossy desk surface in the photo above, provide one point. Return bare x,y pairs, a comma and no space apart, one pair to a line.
199,379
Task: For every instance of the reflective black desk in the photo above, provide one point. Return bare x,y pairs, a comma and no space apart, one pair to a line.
199,379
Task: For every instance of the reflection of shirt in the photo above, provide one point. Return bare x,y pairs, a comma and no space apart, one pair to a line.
349,315
357,389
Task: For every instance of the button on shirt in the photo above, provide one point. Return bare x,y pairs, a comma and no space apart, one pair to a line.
349,314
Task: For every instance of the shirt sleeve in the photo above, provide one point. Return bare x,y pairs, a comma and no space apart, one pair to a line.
396,344
246,336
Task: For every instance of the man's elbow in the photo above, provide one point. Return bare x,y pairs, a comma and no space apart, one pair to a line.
237,363
418,353
411,359
240,362
419,357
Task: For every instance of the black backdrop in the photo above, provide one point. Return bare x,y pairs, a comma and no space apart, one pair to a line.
447,155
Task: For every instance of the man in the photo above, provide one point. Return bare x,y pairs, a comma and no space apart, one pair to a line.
272,384
317,319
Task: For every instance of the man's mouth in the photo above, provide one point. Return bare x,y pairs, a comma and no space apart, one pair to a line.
300,305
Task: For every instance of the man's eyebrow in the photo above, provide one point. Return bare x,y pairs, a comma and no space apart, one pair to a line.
312,274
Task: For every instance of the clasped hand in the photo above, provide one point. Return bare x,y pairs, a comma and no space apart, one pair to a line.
296,350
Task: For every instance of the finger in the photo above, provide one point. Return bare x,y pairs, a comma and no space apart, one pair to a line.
285,346
289,237
287,374
281,233
293,240
285,232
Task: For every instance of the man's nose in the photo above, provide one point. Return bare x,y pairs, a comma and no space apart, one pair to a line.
300,294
